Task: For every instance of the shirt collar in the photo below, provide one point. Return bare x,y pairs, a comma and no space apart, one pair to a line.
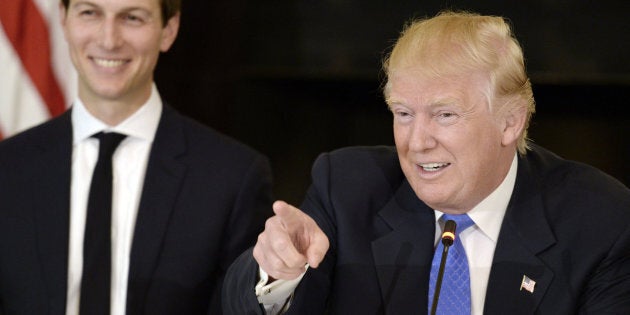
488,214
142,124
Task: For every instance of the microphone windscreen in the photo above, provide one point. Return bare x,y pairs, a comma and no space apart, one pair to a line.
448,236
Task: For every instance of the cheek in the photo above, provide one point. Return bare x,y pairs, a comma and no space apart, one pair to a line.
75,44
150,50
483,136
481,157
73,39
400,138
410,174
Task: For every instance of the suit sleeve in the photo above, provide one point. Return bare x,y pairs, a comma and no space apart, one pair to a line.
311,294
238,290
252,207
608,290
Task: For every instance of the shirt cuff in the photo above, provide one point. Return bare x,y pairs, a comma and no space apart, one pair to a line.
278,291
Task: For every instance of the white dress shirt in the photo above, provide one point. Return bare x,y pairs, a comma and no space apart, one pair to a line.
479,241
129,165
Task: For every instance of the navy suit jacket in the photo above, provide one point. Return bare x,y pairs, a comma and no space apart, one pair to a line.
204,200
567,227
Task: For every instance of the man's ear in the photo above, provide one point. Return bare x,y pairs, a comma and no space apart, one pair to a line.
514,121
62,14
169,33
63,17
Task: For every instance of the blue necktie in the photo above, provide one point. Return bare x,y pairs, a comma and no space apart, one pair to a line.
455,292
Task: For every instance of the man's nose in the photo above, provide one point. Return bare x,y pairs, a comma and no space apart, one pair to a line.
110,34
422,136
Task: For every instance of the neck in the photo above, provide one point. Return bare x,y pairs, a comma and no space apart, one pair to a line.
111,113
115,110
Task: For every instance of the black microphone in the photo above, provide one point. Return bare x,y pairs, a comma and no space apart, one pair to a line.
448,236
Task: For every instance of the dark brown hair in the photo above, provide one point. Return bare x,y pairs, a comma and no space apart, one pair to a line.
169,8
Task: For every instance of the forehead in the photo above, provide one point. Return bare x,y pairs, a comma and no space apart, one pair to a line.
411,86
145,4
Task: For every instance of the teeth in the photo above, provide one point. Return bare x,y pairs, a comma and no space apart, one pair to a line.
432,167
108,63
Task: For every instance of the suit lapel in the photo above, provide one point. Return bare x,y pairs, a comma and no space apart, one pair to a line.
52,207
403,255
162,183
524,234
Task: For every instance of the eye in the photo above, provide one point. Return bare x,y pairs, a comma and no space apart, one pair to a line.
402,115
446,117
135,19
87,13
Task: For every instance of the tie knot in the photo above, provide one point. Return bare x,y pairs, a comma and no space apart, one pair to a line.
463,221
108,142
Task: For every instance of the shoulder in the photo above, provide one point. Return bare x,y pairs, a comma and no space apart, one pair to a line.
202,141
575,192
364,154
37,139
556,174
360,162
358,171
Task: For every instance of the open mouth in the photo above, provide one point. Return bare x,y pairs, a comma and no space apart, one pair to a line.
433,167
109,63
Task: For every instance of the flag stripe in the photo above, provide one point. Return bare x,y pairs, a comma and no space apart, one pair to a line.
27,31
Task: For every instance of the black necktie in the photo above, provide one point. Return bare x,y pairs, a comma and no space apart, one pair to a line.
95,282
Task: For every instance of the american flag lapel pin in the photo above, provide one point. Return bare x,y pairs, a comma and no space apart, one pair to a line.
528,284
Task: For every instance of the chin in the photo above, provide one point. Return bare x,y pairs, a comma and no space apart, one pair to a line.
108,93
433,199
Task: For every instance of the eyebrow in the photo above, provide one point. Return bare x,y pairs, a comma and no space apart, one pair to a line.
444,102
390,100
123,9
81,3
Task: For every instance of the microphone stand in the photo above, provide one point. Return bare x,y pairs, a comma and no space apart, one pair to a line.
447,240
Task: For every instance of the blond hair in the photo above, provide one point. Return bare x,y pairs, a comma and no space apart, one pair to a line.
453,43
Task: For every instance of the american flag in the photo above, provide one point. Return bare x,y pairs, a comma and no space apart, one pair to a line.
528,284
37,79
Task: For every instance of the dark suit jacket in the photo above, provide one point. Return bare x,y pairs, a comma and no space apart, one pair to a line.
567,227
204,200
